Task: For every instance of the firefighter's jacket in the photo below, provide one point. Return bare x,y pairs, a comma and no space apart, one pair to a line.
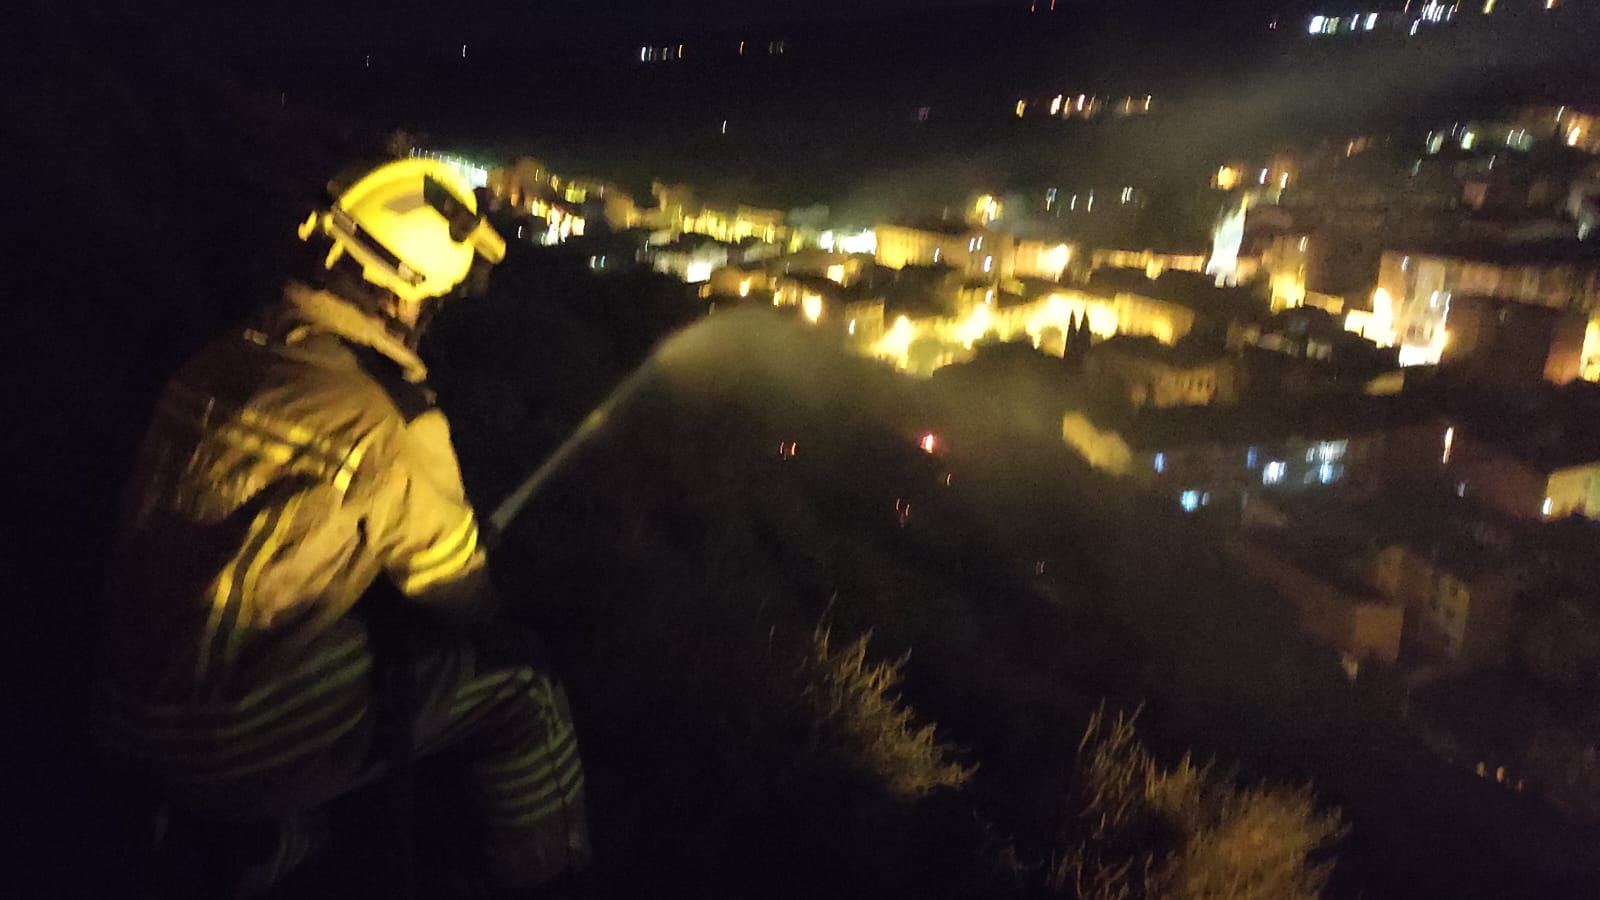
288,466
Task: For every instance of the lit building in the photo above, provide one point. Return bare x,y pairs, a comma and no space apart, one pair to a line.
1226,242
1334,607
1458,598
1295,266
841,268
615,205
1151,262
476,173
1382,20
1514,341
985,210
1309,351
1560,125
1418,286
1535,475
978,253
1085,106
1041,259
1150,373
739,224
692,260
731,281
865,241
519,182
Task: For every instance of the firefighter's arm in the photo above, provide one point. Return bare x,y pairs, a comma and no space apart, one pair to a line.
427,534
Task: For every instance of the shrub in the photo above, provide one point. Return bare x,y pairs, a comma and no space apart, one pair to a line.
861,723
1142,830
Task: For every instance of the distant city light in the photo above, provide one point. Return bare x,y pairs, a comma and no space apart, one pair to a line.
1022,107
697,271
1273,472
811,307
928,443
1190,501
1449,444
1160,462
1548,504
1316,24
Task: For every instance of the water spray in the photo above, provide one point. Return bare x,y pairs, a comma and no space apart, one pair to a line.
593,424
670,354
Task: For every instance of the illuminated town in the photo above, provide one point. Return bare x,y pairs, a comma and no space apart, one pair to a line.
1156,383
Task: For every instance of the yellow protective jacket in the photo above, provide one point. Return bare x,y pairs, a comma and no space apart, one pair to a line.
287,467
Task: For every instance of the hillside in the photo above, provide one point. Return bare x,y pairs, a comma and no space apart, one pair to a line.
757,641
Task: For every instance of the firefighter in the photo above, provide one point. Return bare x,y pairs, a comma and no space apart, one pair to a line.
289,466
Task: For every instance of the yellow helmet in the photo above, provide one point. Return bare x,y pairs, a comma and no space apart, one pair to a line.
412,225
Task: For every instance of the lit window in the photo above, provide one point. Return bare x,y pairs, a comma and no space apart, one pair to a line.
1461,489
1328,473
1449,444
1161,462
1273,473
1250,456
1547,506
929,443
1190,501
988,263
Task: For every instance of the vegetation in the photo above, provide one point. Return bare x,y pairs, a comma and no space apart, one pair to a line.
1185,831
869,728
680,568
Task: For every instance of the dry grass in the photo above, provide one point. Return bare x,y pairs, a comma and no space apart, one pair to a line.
1185,832
861,720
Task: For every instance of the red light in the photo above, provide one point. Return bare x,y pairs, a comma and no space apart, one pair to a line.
928,443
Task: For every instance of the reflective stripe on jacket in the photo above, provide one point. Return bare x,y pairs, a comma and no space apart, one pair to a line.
287,467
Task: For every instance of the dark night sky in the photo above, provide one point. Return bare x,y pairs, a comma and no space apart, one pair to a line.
341,21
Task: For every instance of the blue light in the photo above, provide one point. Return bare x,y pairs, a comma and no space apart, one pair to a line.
1161,462
1190,501
1250,458
1273,473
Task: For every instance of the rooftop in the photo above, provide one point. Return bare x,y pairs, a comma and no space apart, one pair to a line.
1549,428
1572,252
1327,418
1184,354
1188,289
